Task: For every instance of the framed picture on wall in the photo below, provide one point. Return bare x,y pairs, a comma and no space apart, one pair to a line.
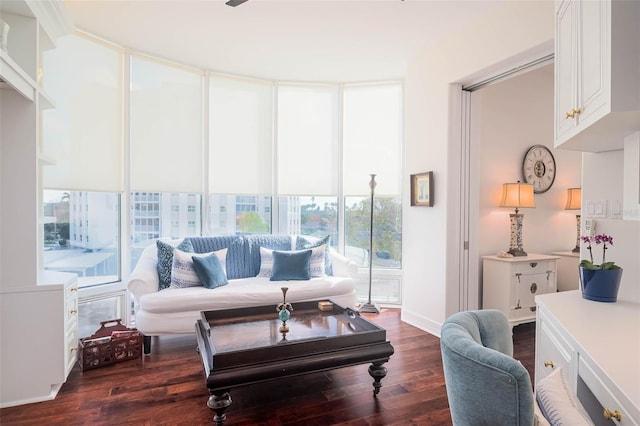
422,189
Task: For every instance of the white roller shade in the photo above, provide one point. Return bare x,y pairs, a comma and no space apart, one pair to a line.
166,128
372,138
83,134
308,134
241,136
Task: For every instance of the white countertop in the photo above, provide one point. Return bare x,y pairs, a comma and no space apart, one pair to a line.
609,333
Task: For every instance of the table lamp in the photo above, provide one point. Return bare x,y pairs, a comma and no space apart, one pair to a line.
574,202
518,195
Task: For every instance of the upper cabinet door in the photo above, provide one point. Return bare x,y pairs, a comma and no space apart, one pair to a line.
597,90
566,78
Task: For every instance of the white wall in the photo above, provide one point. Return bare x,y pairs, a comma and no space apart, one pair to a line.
511,29
603,181
516,114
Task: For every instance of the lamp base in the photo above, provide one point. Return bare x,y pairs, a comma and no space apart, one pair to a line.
369,308
517,252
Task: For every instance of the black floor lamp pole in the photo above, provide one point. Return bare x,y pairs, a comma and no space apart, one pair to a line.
370,307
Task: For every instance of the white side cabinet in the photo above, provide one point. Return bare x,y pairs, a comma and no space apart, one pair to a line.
39,338
511,284
597,345
597,92
567,277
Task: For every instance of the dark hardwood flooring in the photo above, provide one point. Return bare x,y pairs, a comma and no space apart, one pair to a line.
168,388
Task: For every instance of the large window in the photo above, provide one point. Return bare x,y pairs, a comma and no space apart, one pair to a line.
239,214
81,235
155,215
210,154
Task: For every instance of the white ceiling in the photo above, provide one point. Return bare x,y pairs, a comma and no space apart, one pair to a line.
295,40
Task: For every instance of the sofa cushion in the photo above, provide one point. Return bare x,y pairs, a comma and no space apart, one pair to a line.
242,292
183,273
237,264
316,263
269,241
291,265
306,243
165,260
266,262
210,271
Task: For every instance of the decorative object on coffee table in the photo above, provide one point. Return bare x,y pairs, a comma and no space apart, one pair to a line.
370,307
284,311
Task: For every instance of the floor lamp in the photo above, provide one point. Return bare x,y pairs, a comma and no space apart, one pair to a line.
370,307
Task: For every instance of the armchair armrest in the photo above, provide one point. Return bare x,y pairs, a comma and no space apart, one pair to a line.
342,266
144,279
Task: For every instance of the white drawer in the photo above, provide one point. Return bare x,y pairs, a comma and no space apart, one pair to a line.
605,397
553,352
534,267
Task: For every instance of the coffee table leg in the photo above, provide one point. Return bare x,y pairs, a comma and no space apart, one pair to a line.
219,402
377,371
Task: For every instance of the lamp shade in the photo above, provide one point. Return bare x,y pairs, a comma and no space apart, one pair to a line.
574,199
517,195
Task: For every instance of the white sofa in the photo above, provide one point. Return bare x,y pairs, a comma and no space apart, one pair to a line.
175,310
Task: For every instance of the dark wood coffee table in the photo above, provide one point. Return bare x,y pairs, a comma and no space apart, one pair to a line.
244,346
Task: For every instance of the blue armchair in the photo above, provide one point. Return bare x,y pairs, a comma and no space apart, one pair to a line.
485,385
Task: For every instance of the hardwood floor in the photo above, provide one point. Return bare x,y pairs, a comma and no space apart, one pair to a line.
168,388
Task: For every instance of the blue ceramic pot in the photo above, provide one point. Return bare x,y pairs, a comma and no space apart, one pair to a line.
600,285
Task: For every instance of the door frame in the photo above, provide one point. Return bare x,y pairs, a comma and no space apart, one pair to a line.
463,290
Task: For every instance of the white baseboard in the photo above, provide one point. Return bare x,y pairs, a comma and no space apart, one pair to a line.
430,326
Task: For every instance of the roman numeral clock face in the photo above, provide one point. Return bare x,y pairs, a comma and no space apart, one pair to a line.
539,168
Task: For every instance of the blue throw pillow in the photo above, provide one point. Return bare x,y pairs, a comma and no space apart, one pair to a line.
165,260
210,271
303,243
291,265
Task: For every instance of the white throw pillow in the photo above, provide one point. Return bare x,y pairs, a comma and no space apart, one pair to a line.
558,403
183,274
316,264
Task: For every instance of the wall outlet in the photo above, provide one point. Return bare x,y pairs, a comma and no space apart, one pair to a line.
590,227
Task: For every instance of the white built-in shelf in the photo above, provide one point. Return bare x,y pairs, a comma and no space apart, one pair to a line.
14,76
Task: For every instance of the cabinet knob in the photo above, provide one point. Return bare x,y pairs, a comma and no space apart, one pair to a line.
533,288
569,114
549,364
533,264
73,289
73,348
577,111
73,311
608,414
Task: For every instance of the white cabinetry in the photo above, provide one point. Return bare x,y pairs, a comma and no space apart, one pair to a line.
567,276
597,90
598,347
37,324
511,284
39,338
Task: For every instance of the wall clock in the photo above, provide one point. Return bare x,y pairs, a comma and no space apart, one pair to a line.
539,168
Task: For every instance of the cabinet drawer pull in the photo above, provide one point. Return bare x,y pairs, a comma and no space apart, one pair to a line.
615,414
533,264
73,311
549,364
